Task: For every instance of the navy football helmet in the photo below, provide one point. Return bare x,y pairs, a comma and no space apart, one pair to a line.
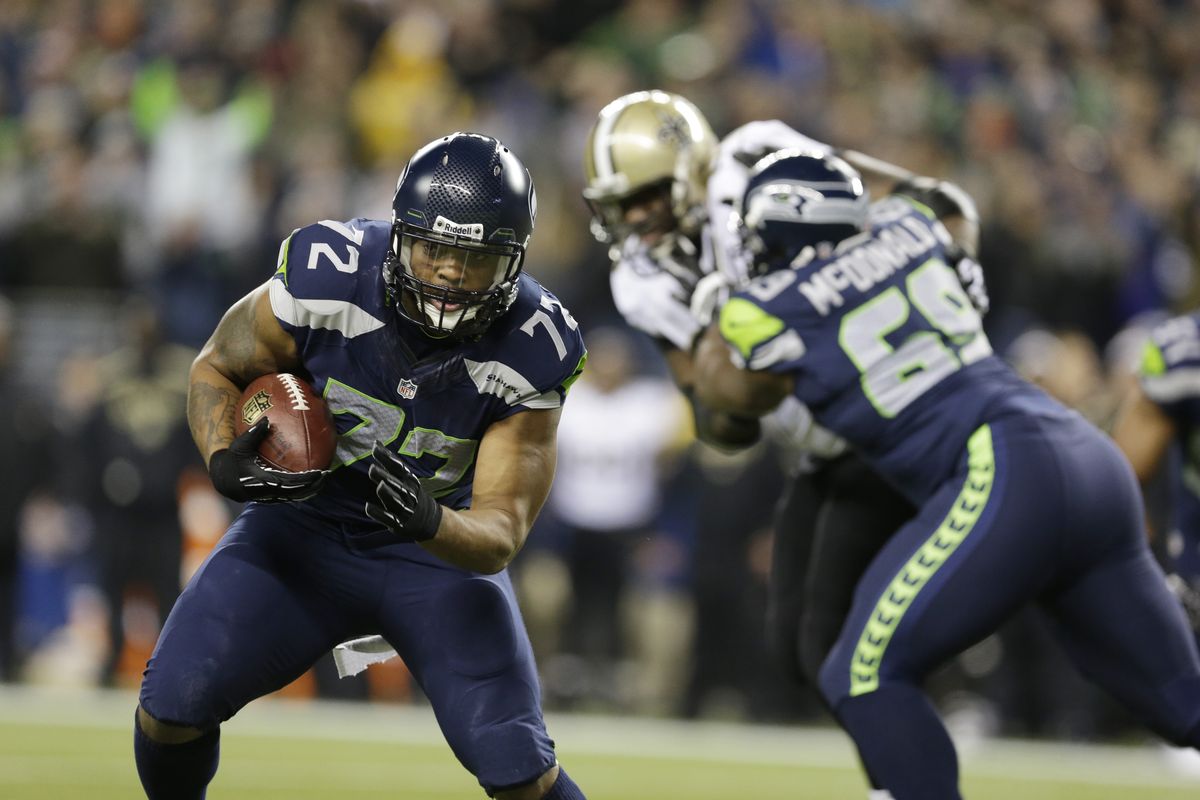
798,201
461,219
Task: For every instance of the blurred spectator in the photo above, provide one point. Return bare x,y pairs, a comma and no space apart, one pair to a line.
614,442
25,443
732,497
134,449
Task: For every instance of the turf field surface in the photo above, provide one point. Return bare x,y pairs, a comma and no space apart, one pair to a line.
71,745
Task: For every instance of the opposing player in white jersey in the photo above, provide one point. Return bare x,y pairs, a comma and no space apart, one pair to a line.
663,191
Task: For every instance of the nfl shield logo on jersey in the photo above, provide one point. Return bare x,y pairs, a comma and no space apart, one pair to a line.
406,389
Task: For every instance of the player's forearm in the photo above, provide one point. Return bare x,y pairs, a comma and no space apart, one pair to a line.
212,399
875,169
724,388
724,431
481,540
248,342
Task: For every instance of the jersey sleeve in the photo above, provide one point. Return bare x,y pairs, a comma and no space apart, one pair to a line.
754,328
541,357
1170,368
653,301
315,291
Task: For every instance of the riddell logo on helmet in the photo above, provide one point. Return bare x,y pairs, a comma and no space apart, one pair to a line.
471,231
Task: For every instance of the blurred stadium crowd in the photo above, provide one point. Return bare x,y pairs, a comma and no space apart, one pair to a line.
153,154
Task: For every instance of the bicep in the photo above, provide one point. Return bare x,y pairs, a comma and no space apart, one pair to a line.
1143,431
723,386
249,341
515,466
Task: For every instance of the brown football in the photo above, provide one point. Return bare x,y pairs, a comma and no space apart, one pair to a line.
302,434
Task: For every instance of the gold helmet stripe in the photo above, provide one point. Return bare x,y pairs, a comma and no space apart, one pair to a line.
602,142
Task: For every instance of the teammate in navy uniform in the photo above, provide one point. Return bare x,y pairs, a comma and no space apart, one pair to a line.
662,189
1019,499
1162,415
446,368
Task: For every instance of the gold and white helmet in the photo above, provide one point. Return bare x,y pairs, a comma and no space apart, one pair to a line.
644,141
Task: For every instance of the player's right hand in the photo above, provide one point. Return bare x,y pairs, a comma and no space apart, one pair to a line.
239,473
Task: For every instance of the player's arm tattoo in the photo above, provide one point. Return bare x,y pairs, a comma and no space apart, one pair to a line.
247,342
210,411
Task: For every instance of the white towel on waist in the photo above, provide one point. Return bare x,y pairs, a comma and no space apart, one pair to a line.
354,656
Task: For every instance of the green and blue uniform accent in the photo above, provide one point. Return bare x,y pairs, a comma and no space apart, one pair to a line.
920,567
1019,499
290,581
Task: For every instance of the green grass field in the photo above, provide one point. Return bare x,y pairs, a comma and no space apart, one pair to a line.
75,745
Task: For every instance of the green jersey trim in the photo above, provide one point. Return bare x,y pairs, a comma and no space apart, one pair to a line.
745,326
1153,362
282,261
929,558
569,382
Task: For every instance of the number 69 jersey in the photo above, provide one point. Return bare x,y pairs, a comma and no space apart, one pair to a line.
879,335
385,380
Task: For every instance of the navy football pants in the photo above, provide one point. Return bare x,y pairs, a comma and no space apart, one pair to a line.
1043,510
282,588
824,538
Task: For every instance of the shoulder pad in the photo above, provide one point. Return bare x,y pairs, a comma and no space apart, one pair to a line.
325,259
327,276
759,339
533,355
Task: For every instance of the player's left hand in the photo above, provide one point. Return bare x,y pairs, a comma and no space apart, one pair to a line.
404,507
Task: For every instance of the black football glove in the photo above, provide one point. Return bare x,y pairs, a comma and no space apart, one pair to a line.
404,507
239,473
970,275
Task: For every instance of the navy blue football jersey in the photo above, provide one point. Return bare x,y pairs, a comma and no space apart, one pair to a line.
885,346
1170,377
430,400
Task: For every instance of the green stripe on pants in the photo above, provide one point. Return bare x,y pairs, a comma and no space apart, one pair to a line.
889,610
